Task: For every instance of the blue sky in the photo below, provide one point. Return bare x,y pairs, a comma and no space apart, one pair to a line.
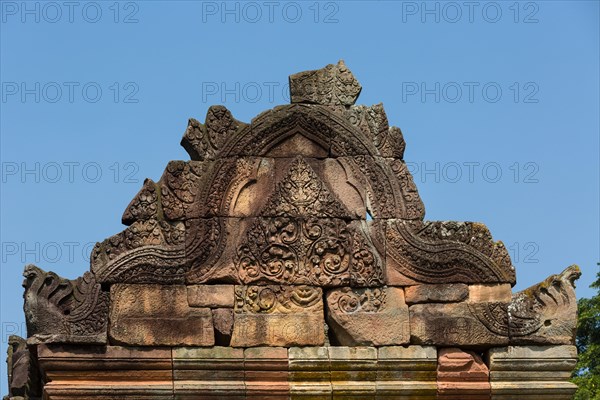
498,102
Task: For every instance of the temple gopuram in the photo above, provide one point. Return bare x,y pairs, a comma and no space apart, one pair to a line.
289,258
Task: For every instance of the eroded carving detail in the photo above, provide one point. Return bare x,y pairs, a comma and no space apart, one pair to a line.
204,141
287,250
143,206
180,187
277,299
303,194
447,252
332,85
147,251
347,300
59,310
23,376
373,122
546,312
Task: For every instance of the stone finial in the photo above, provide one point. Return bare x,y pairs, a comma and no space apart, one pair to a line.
333,85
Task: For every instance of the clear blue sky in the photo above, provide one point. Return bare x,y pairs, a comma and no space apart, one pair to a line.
478,90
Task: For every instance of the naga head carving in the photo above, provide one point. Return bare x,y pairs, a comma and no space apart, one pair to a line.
546,312
46,296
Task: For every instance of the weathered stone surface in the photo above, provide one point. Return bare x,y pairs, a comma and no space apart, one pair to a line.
377,317
546,313
532,372
353,371
391,191
137,318
204,141
23,375
490,293
408,371
444,252
106,372
58,310
373,122
266,373
310,373
213,372
462,375
332,85
223,324
212,296
450,293
313,188
143,206
278,316
459,324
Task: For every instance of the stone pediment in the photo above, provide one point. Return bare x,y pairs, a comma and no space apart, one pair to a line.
303,227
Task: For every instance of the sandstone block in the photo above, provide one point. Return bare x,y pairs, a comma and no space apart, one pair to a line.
406,371
490,293
89,372
462,375
278,316
353,372
528,363
310,375
266,372
211,296
449,293
213,372
329,252
377,317
532,372
459,324
137,318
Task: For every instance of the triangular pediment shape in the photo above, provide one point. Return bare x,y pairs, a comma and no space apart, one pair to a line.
298,144
302,193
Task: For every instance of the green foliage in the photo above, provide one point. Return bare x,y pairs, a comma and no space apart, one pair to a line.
587,371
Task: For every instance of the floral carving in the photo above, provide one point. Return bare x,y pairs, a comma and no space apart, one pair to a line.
277,299
347,300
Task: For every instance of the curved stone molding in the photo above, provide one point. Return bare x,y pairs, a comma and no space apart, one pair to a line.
59,310
147,251
445,252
